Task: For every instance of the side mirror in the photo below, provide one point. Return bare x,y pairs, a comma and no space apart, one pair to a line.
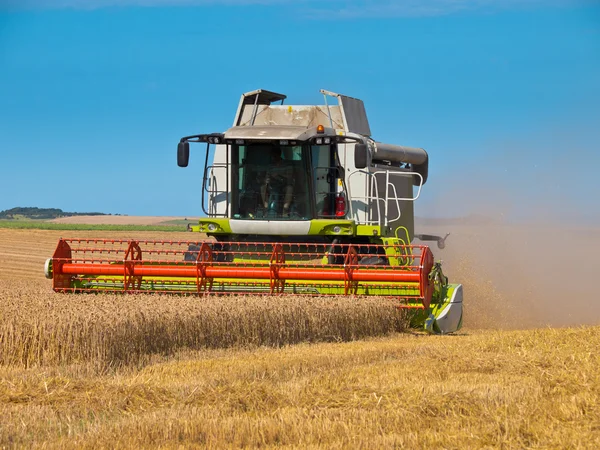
360,156
183,153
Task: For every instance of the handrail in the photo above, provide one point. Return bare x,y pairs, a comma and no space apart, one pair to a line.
372,197
208,188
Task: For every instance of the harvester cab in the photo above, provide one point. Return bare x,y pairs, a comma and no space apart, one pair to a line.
331,179
296,199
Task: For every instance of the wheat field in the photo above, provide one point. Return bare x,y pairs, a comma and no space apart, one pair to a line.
154,371
40,328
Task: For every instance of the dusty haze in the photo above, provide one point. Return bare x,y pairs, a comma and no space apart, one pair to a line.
534,262
520,276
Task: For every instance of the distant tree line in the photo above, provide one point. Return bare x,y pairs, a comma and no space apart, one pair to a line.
42,213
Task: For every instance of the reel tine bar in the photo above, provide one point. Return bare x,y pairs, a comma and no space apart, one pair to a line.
208,267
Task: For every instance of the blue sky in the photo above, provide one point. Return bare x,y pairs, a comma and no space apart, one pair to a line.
504,95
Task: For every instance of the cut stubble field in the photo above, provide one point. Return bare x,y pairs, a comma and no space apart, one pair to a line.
163,371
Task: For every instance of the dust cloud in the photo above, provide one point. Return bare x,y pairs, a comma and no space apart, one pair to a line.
523,276
524,241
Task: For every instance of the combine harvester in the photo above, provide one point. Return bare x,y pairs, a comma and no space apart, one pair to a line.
298,200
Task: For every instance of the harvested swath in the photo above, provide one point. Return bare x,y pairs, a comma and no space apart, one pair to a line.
482,390
39,327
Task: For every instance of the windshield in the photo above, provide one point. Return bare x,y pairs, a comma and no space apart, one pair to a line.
275,182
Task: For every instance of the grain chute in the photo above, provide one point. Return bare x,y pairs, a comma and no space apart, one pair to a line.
297,200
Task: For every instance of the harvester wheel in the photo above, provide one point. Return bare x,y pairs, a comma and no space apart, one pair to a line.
220,252
337,253
192,253
373,261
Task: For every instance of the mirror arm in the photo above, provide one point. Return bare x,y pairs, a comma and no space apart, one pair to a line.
194,138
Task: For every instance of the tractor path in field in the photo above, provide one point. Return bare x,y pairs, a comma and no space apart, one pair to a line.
22,255
22,252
